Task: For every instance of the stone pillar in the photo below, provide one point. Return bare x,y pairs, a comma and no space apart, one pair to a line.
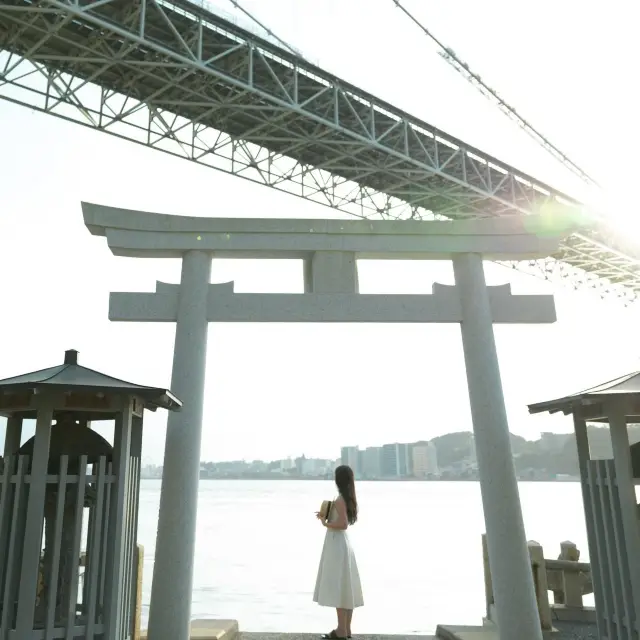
582,442
116,579
513,588
32,544
541,587
12,436
626,495
331,272
170,610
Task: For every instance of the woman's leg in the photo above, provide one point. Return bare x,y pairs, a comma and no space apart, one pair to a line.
341,630
349,616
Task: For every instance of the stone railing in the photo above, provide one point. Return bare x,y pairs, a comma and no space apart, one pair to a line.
566,577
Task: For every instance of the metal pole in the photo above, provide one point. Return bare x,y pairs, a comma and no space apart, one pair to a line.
170,608
509,562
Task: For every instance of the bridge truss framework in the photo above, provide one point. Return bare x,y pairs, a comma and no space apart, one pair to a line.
177,78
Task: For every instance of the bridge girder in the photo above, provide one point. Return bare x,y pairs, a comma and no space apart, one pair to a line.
177,78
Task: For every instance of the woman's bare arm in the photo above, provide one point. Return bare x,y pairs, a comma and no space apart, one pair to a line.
341,522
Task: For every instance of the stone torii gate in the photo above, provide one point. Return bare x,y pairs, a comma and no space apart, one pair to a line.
330,249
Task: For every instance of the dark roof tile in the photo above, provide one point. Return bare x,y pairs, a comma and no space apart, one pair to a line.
74,376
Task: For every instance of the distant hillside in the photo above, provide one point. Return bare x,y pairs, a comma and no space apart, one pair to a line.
454,448
552,454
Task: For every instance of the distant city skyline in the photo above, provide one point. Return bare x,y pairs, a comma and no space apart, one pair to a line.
390,461
449,457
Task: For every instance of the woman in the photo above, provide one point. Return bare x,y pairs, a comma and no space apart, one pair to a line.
338,582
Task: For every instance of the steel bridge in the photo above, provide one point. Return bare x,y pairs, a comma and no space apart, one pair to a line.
178,78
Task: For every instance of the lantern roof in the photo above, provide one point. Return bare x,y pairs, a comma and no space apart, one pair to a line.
625,389
71,376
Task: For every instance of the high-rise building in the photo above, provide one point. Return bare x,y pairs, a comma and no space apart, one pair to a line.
405,461
389,461
349,456
287,465
360,473
425,459
396,460
315,467
371,467
432,455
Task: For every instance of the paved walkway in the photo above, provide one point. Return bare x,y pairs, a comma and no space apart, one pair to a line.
566,631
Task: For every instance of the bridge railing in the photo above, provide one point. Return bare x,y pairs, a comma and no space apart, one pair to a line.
568,579
249,24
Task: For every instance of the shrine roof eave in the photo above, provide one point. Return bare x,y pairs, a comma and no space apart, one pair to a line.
593,407
154,399
76,378
592,402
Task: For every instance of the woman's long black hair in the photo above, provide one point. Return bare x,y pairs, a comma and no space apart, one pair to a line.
347,489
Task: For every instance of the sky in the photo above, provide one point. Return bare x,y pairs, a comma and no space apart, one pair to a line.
283,390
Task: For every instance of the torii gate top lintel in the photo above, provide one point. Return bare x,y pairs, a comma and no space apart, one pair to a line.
141,234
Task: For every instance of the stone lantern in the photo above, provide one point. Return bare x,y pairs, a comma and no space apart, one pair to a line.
68,498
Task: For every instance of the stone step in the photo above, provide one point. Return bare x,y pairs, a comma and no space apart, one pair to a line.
461,632
210,630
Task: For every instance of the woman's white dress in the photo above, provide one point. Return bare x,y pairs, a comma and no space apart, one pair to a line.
338,583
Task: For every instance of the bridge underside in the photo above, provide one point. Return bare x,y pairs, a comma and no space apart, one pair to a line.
177,78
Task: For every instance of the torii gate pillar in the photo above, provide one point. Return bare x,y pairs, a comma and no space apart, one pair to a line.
506,544
330,249
172,585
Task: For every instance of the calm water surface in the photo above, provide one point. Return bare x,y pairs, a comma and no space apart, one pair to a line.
417,543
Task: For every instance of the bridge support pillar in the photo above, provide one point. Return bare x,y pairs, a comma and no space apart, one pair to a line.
512,579
170,610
